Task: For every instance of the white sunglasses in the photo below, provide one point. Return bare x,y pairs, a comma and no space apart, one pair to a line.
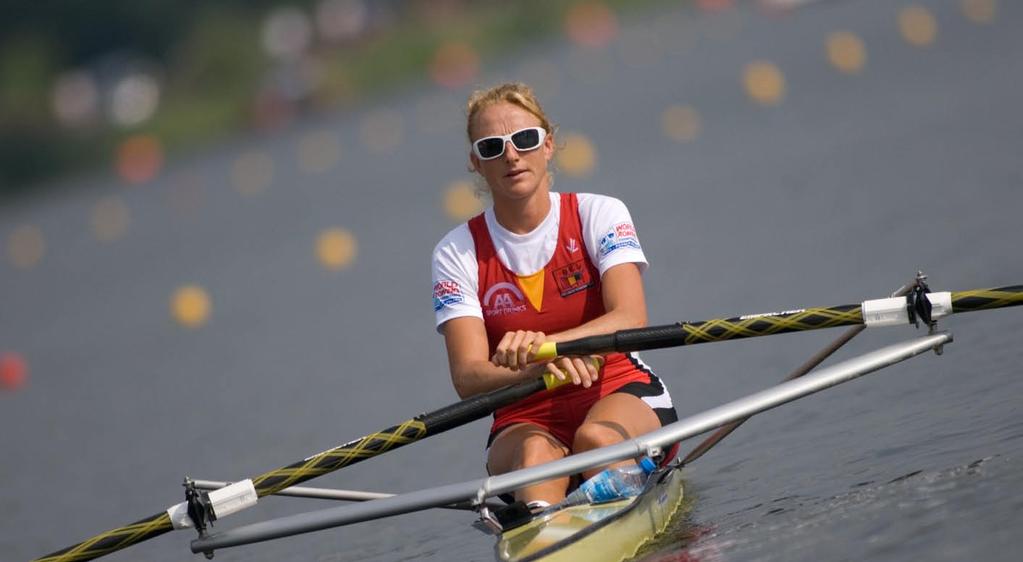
530,138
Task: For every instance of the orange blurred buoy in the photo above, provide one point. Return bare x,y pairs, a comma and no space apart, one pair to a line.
13,371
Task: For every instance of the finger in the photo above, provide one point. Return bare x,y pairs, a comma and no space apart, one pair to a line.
554,370
501,351
584,369
592,368
570,369
596,362
530,342
515,349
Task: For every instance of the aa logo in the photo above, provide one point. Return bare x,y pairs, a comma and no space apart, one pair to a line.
503,298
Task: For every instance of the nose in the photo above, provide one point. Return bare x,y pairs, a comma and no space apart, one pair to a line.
510,152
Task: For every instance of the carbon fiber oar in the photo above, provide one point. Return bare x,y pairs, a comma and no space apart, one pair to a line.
374,444
880,312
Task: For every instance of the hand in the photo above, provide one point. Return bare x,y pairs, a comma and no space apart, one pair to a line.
582,370
517,349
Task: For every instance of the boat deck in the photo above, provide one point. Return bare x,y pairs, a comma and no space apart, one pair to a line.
612,532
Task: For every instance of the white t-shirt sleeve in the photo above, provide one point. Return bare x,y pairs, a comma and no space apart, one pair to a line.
610,233
455,275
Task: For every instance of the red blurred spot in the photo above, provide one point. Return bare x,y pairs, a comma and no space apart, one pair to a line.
13,371
591,24
139,158
454,65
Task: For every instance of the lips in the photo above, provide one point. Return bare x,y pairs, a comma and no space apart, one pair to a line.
514,173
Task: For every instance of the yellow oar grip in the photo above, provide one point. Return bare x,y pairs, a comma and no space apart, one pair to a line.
547,351
553,382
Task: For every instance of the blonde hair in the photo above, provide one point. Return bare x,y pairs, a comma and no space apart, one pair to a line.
515,93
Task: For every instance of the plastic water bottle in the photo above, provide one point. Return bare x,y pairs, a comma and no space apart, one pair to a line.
609,485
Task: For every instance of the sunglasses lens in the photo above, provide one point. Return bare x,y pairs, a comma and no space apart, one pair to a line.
490,147
527,139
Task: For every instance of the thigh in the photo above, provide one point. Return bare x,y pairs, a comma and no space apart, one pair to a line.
624,414
522,445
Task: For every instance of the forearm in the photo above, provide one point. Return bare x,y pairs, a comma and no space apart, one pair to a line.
612,321
475,377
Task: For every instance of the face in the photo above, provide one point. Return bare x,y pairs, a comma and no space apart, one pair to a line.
514,174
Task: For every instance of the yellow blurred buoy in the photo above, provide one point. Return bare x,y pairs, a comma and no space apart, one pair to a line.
764,83
578,156
190,306
461,202
336,248
918,26
846,52
980,11
681,123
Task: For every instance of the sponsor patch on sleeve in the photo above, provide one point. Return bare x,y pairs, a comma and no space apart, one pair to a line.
620,236
446,293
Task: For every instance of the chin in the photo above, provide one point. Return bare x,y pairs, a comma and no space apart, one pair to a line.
519,190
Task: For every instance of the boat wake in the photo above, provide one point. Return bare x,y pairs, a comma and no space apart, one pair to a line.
894,518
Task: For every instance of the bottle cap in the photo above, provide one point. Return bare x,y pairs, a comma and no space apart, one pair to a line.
647,465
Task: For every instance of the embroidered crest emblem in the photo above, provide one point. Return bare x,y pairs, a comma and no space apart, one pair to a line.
572,278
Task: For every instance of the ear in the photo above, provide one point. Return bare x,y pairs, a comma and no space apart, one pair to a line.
548,146
474,162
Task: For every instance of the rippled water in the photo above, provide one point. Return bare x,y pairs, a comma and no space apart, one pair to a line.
838,194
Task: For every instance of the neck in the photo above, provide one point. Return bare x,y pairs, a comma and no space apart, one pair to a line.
523,215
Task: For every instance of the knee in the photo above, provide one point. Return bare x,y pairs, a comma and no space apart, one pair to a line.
538,449
593,435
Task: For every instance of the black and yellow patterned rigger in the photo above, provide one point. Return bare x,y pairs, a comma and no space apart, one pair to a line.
374,444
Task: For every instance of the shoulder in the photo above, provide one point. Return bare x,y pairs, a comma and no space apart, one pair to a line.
458,241
594,204
600,212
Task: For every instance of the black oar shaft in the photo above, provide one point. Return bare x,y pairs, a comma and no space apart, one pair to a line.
410,431
986,299
374,444
739,327
113,540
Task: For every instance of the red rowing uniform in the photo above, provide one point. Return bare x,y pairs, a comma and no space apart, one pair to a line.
569,295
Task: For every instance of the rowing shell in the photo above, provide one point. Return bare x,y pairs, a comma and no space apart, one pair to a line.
608,532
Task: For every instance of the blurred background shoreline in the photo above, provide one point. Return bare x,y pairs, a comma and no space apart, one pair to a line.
124,85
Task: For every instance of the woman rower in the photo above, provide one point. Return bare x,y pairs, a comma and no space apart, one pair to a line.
540,266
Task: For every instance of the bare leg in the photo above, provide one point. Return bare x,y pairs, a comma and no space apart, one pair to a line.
524,445
613,419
